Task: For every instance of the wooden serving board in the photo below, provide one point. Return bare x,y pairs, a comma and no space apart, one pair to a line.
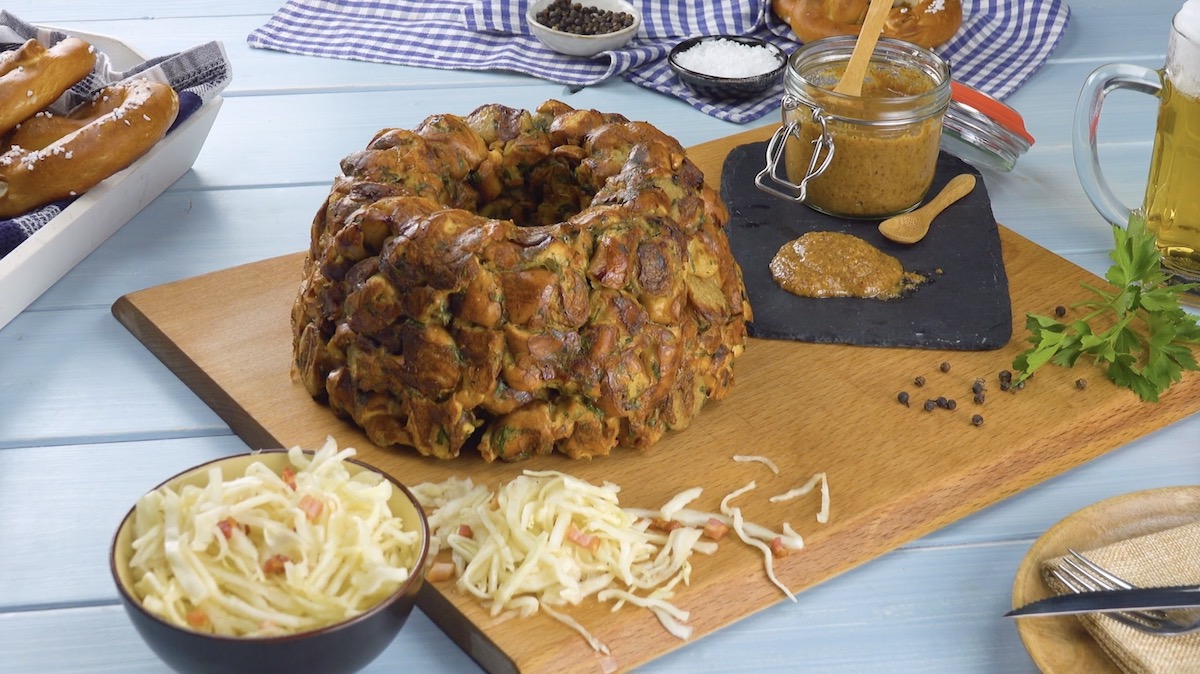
895,472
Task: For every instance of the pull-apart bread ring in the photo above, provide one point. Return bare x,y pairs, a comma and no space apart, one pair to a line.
101,137
525,282
928,23
32,77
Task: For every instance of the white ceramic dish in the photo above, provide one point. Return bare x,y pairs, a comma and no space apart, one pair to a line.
584,45
47,255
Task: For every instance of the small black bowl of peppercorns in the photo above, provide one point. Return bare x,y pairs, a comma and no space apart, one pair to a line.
583,27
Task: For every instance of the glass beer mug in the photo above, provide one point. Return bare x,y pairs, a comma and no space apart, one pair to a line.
1171,206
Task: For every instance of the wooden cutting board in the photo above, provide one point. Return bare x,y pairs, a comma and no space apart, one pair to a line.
895,472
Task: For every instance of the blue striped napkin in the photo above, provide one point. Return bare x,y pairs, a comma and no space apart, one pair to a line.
1000,45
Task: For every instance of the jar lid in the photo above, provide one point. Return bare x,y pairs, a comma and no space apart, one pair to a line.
979,128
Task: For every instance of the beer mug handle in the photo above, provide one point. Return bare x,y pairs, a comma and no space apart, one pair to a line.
1099,84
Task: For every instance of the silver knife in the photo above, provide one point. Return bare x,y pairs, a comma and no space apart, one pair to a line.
1108,601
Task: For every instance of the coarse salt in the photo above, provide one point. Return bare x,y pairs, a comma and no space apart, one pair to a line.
727,58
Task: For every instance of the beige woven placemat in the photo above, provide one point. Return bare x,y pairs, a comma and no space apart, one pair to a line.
1170,557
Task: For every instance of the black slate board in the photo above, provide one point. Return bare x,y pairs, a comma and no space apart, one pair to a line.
965,306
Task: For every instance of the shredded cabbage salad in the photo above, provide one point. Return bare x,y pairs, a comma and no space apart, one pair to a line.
546,540
267,554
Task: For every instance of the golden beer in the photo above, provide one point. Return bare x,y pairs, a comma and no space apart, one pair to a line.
1172,203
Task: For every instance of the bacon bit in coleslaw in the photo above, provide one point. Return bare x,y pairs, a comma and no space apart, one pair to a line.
716,529
197,618
311,506
589,542
440,571
289,477
465,531
665,526
275,564
226,526
778,549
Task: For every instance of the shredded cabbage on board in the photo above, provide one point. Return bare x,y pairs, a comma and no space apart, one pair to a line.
265,554
546,540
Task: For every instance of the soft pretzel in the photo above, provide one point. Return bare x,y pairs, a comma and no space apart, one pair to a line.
32,76
120,125
928,23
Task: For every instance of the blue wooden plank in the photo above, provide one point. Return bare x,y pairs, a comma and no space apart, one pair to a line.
89,419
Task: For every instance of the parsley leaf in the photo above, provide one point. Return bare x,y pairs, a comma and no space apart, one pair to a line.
1145,336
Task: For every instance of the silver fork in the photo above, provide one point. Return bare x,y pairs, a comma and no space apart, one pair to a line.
1080,574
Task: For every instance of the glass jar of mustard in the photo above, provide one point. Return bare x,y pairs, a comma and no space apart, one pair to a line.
868,156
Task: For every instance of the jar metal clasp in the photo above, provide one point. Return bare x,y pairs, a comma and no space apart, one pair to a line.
769,180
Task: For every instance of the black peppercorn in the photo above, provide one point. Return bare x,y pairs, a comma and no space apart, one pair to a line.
977,387
951,404
903,398
979,398
930,405
1081,384
977,420
572,17
1060,311
944,367
940,401
1005,376
919,381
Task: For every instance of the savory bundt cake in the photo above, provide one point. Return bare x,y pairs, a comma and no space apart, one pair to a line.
524,281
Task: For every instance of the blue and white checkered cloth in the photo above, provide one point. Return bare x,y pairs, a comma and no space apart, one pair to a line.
1000,45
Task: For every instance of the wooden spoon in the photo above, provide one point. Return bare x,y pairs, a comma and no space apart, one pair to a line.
860,58
912,226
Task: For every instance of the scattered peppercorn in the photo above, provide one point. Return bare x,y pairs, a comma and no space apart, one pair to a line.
1019,385
919,381
1004,386
1005,376
903,398
572,17
951,404
944,367
940,401
977,387
979,398
930,405
977,420
1060,311
1081,384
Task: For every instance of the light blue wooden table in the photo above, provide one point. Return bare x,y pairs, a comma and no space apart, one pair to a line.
90,419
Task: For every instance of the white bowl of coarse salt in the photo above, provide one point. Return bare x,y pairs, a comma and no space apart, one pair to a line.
727,66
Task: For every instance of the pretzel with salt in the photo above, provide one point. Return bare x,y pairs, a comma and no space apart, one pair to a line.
32,76
123,122
928,23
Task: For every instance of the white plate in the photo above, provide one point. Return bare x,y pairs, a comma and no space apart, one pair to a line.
47,255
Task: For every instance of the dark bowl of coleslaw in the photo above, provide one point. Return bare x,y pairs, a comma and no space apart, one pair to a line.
194,606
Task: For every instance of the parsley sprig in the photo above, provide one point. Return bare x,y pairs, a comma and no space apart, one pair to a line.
1146,345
